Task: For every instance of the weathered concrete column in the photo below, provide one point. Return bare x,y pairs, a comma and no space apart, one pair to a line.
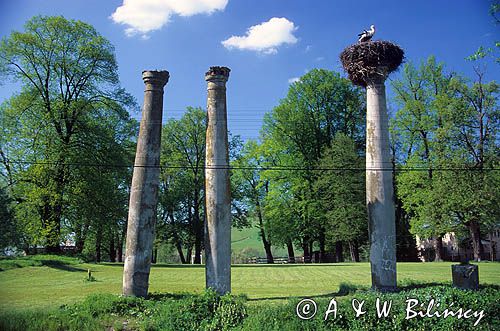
144,190
217,186
368,64
379,190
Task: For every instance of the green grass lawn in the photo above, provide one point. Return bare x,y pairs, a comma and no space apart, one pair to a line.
53,284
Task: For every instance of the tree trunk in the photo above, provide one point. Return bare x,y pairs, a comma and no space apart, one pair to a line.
438,248
305,248
120,247
198,230
81,236
98,244
322,251
267,244
178,246
197,251
477,246
269,254
189,253
492,247
353,248
112,250
311,253
339,251
155,255
356,251
291,253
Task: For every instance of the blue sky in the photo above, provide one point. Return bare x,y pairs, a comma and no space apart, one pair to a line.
185,37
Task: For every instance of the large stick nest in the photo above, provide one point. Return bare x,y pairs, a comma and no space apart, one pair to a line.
368,61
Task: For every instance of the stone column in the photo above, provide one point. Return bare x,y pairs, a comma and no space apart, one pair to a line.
144,190
379,190
217,186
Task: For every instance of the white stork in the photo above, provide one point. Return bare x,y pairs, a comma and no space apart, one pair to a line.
366,35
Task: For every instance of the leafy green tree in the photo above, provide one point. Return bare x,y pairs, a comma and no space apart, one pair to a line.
474,147
182,184
422,94
341,187
183,180
298,130
69,80
10,234
447,128
253,188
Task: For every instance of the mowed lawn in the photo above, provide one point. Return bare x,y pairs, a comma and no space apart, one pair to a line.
51,286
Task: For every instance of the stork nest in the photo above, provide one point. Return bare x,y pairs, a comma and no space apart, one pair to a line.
369,61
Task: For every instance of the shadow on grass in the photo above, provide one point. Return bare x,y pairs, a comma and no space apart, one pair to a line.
347,289
344,289
61,266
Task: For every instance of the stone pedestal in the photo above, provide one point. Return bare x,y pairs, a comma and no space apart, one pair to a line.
144,189
217,185
379,190
465,276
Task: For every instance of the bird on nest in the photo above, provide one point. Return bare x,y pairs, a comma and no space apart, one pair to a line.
366,35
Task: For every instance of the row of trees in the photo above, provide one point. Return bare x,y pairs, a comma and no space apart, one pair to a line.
67,142
447,127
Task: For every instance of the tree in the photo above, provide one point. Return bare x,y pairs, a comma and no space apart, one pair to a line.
420,93
253,189
475,149
10,233
298,130
448,129
69,81
341,187
182,181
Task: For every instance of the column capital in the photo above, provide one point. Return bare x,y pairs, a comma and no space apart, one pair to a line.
377,77
217,74
156,78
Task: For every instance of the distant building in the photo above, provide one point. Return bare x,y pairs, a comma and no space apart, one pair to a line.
454,250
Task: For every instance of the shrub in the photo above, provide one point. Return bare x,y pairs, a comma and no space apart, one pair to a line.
283,317
208,311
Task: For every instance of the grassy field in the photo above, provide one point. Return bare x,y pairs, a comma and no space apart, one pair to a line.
53,283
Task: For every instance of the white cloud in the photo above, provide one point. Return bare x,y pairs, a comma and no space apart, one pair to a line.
265,37
293,80
143,16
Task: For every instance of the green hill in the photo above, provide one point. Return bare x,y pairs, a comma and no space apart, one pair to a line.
248,239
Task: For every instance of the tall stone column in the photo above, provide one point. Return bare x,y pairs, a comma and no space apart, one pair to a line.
144,190
368,64
379,189
217,186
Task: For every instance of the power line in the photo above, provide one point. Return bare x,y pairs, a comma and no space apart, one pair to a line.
259,168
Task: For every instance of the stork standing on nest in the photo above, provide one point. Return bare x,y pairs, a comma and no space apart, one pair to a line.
366,35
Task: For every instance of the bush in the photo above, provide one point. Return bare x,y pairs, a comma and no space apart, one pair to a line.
283,317
208,311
